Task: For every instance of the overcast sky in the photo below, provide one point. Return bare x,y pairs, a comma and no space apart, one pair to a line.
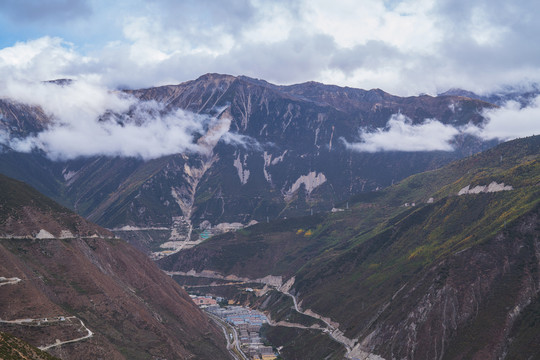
404,47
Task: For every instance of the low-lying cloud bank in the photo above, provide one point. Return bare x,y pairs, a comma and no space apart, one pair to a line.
401,134
508,122
89,120
86,119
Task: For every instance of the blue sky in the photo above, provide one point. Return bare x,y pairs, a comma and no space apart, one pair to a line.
404,47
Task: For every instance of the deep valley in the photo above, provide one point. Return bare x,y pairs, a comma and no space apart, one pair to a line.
394,254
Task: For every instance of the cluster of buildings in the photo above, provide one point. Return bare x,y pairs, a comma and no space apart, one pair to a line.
180,234
248,324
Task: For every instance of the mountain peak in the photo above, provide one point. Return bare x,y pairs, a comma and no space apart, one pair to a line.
461,92
215,76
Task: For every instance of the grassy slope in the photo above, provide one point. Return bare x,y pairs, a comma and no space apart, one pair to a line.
381,260
20,195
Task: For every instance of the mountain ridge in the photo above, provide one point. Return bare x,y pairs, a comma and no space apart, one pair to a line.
292,157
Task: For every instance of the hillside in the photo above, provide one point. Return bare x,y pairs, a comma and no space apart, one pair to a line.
289,157
12,348
414,271
76,291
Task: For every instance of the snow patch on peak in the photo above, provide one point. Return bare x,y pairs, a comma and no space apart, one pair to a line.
68,175
279,158
267,160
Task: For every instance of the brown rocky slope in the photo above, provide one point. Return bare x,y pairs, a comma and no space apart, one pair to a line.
69,287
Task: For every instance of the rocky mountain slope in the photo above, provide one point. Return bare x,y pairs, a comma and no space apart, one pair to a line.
444,264
74,290
523,96
289,157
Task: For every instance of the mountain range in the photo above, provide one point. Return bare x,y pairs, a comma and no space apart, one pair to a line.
276,204
288,156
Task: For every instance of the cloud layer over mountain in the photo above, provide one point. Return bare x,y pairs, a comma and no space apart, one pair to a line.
89,120
511,121
401,134
507,122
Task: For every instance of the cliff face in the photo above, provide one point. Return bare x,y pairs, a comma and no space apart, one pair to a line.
290,159
71,288
470,305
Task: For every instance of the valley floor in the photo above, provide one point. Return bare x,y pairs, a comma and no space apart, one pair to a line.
330,328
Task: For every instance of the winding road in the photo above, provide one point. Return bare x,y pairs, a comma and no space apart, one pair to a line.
47,320
234,347
330,330
58,343
52,320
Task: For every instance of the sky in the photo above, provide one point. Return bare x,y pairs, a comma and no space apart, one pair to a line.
404,47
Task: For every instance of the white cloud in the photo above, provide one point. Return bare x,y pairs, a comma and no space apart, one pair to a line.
89,120
274,24
510,121
409,25
76,103
156,136
401,134
239,140
41,59
482,31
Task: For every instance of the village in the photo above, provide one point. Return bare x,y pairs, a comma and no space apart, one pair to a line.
246,323
183,236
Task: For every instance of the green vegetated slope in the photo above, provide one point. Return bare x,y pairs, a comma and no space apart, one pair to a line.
412,281
20,194
293,340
